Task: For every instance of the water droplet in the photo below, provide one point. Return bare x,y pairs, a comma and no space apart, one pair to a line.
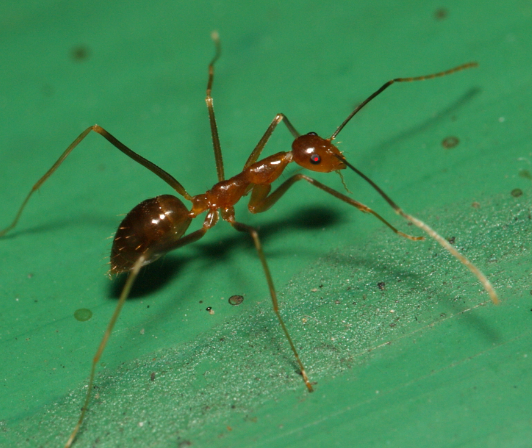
236,300
83,314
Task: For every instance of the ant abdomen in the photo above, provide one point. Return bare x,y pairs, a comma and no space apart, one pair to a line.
149,229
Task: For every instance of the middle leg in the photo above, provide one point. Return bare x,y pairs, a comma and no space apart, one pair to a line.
228,216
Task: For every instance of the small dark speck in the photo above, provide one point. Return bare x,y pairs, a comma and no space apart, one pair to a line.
452,240
450,142
147,306
525,173
516,192
381,285
152,376
392,325
79,53
441,14
443,315
47,90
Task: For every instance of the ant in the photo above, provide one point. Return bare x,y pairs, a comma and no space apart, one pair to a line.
157,226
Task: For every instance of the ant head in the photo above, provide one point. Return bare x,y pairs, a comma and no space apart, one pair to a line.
317,154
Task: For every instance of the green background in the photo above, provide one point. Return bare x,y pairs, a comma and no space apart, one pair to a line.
419,362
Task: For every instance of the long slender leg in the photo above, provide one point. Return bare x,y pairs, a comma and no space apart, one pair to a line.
393,81
260,200
431,232
214,128
262,142
123,296
170,180
254,234
210,220
264,202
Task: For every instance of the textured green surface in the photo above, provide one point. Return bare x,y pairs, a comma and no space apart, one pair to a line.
455,373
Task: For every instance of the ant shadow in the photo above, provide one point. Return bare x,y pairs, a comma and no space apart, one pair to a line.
157,275
81,220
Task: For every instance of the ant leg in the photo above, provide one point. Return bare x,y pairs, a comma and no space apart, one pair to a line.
214,128
123,296
431,232
170,180
229,217
262,142
210,220
260,201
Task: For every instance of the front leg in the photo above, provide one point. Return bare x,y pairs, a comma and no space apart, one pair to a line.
261,200
255,154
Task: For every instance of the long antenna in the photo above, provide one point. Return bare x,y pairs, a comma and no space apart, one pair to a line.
389,83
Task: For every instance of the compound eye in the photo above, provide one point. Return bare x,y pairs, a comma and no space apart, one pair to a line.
312,133
315,159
